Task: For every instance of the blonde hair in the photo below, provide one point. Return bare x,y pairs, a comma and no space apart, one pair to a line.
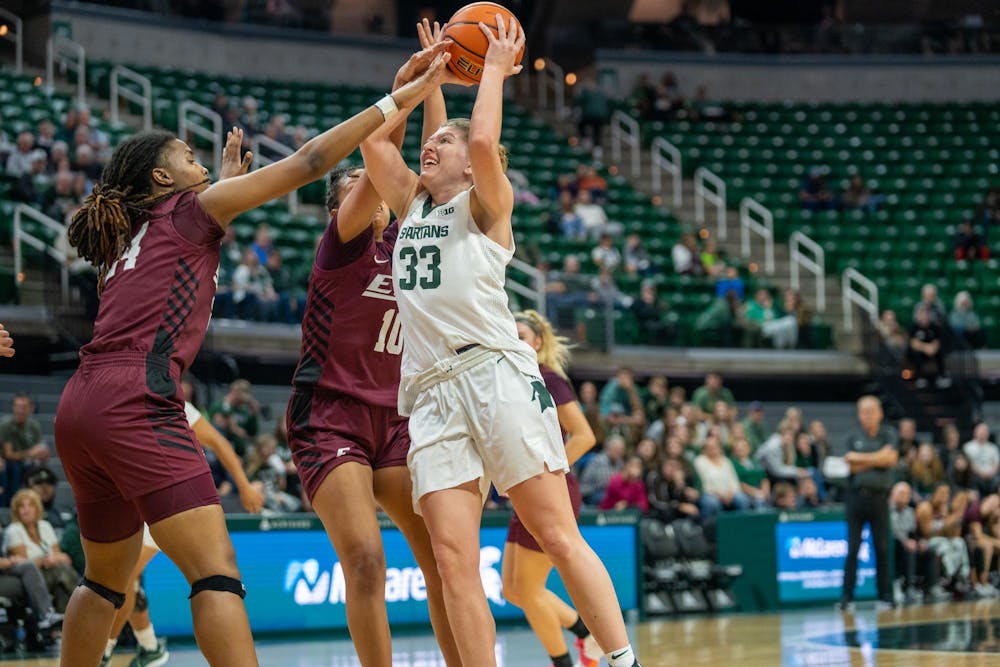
555,349
463,125
31,495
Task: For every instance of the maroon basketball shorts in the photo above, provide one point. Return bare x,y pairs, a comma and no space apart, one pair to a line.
518,534
126,447
326,430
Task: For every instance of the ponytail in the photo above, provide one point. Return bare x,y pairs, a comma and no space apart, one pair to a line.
555,350
101,229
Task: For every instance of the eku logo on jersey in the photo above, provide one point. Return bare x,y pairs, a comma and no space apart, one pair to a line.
380,288
309,585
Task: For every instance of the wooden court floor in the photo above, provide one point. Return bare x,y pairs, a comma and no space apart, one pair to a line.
920,636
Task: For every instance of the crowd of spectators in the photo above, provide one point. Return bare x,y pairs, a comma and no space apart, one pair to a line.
816,195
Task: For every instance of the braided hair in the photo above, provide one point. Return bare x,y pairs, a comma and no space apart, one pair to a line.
102,229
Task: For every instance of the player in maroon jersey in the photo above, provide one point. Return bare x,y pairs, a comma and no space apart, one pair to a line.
347,438
152,227
526,568
6,343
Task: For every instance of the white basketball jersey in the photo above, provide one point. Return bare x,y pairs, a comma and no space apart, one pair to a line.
449,284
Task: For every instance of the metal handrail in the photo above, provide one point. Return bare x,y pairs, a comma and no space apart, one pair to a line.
214,135
667,157
763,228
260,160
815,265
21,236
625,129
60,48
536,292
554,75
17,37
851,297
144,99
716,197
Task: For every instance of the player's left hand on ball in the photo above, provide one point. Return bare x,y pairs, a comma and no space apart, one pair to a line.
505,45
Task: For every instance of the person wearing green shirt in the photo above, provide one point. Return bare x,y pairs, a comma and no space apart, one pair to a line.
236,416
705,396
753,478
755,426
21,444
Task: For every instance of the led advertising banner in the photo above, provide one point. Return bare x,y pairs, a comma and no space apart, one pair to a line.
295,582
810,558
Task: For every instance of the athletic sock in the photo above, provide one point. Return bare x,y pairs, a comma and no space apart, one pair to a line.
578,628
562,660
623,657
110,648
146,638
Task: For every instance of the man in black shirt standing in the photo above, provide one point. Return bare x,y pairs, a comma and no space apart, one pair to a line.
926,350
871,454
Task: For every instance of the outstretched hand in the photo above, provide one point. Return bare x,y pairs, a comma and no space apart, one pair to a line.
429,67
232,165
431,44
504,46
6,343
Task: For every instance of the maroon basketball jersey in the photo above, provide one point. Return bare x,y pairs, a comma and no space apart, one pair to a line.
158,296
351,339
560,388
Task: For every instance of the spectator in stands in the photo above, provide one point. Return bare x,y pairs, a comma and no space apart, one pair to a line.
568,289
29,536
58,158
705,109
68,127
650,315
588,179
755,426
670,495
721,488
237,416
593,110
662,426
809,494
893,335
939,521
254,297
621,405
591,407
988,212
607,293
786,496
960,475
978,529
220,103
626,490
929,300
570,223
43,481
969,245
814,195
984,459
21,577
730,280
249,118
19,162
290,297
594,218
21,443
925,353
857,195
667,98
965,322
753,477
646,450
820,441
911,551
605,255
262,244
907,429
45,135
597,474
710,259
59,198
951,444
722,322
85,162
268,474
764,321
926,471
784,332
28,187
685,257
713,390
656,398
777,456
636,258
719,423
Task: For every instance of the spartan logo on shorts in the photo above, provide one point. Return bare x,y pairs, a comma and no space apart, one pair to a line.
542,394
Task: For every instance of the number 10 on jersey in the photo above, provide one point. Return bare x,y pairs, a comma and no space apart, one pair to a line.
390,338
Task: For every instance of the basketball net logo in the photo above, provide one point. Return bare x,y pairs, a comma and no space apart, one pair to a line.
474,70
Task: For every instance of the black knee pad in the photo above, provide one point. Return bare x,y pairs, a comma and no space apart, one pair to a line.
116,599
220,583
141,601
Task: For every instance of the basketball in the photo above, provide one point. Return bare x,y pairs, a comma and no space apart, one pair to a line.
469,44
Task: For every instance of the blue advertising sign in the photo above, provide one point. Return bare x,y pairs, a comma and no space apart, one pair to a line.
810,557
295,582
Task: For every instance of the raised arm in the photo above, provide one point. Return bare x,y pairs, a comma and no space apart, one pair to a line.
435,111
228,198
492,199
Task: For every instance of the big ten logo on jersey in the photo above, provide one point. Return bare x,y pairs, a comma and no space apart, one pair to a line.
380,288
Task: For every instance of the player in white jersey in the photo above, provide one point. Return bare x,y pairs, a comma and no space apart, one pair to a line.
152,651
479,410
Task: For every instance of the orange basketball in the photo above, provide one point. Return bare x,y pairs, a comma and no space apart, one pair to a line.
469,44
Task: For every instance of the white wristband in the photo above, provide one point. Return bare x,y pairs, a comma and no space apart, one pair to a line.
387,106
